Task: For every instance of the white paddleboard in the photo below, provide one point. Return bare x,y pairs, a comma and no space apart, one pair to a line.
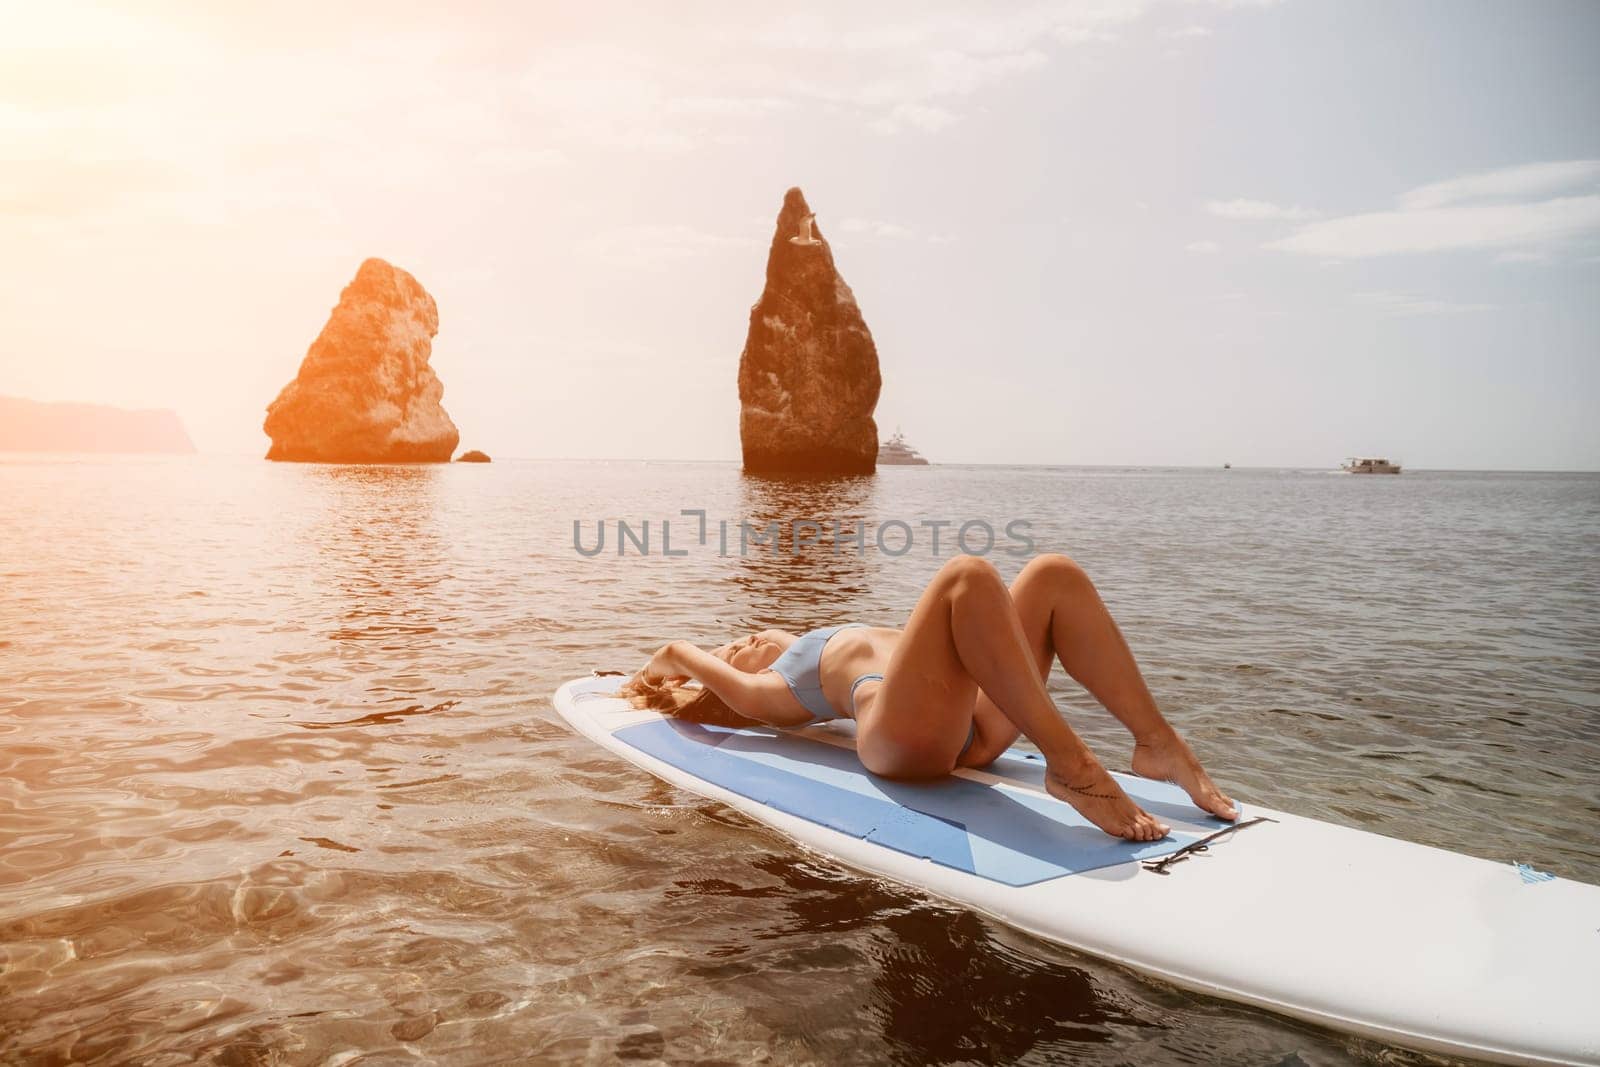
1402,943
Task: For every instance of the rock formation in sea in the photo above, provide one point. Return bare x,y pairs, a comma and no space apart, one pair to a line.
30,426
808,377
365,392
472,455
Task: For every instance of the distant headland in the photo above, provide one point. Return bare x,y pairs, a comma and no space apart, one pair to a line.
31,426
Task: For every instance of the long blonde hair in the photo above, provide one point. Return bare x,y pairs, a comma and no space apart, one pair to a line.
691,703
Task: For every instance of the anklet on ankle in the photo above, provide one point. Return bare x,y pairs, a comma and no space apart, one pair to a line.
1083,791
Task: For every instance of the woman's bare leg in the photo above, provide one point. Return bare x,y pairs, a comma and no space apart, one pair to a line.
1063,616
965,634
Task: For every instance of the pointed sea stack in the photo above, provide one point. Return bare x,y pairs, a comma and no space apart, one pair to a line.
808,377
365,392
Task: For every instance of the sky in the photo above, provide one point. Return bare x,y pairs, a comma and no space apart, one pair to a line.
1097,232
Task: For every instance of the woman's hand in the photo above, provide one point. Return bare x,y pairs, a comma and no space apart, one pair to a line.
665,668
764,697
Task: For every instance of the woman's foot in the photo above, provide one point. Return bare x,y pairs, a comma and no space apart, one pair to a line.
1097,797
1169,759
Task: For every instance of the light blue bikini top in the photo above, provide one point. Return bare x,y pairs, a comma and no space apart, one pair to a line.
801,666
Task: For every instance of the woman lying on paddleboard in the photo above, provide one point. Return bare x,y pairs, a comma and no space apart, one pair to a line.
954,688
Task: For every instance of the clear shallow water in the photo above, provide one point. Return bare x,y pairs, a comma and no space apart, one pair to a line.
280,781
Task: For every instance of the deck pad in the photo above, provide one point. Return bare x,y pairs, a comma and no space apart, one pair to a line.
1014,836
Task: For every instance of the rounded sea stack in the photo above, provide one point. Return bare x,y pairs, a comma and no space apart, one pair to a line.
365,392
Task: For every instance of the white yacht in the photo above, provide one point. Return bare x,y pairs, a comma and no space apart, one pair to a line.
895,451
1370,466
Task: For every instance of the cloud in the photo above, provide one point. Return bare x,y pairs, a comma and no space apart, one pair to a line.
1474,211
1385,233
1407,304
1189,31
667,88
1509,183
1204,248
901,69
913,116
1258,210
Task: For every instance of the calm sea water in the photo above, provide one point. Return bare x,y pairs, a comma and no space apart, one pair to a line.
280,781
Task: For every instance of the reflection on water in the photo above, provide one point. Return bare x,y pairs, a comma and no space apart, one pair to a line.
941,989
822,578
280,783
374,538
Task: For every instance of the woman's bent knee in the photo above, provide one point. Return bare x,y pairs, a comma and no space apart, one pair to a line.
966,568
1054,567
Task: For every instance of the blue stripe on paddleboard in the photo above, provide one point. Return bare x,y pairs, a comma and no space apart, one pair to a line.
1006,836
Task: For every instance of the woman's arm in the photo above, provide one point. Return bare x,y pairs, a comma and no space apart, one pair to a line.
764,697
